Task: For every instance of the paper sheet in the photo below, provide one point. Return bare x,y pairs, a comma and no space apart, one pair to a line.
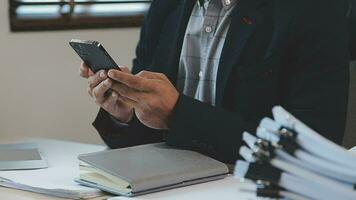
58,179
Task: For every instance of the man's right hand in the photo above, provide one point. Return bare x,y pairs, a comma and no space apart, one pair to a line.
98,86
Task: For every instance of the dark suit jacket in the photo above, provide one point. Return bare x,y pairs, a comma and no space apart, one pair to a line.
292,53
352,28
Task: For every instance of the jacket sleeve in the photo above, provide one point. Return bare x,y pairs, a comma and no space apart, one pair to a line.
209,130
315,91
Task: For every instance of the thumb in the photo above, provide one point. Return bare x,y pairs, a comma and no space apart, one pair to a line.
151,75
125,69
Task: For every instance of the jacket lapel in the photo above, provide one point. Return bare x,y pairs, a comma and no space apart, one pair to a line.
245,18
185,11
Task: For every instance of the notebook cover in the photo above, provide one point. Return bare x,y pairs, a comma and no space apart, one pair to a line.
154,166
168,187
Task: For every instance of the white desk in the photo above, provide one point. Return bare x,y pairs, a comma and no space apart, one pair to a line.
226,189
222,189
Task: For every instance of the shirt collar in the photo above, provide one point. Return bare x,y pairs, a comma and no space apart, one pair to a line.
224,2
201,2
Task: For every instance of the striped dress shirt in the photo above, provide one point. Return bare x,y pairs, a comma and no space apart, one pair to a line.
202,47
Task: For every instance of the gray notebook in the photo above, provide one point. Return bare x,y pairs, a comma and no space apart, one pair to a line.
147,168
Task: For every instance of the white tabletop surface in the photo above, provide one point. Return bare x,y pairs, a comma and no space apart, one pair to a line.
223,189
226,189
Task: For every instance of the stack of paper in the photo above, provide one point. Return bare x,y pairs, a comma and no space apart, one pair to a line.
58,179
290,160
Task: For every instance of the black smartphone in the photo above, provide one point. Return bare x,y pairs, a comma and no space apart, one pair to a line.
94,55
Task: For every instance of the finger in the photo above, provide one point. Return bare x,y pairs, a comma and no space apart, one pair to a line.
125,69
135,82
97,78
127,101
125,91
91,73
90,91
152,75
83,70
100,90
110,100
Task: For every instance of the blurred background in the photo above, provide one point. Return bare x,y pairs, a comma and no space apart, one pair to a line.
41,93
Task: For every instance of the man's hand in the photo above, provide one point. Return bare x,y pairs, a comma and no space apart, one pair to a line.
151,94
84,71
99,85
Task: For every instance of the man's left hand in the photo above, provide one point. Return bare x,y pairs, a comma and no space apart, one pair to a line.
152,95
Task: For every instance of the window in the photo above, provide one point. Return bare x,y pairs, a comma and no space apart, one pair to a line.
33,15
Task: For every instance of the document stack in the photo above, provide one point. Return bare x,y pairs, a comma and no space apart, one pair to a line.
289,160
56,180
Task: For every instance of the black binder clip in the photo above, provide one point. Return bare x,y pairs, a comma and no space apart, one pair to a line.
287,140
263,151
261,173
269,191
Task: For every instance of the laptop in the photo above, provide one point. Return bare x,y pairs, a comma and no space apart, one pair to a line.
21,156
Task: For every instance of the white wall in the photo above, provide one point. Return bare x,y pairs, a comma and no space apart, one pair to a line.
41,94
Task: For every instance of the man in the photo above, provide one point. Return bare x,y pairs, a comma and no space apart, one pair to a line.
208,70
